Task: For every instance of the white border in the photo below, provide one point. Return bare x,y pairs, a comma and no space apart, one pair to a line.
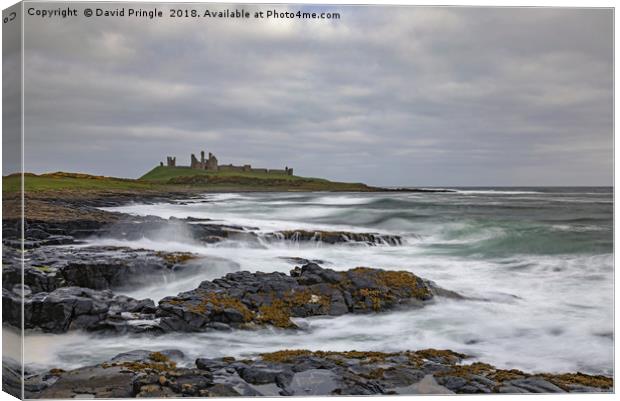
506,3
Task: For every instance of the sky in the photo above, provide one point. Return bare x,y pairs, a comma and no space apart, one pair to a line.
384,95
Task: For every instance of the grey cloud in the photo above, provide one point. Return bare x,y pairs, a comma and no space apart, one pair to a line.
391,96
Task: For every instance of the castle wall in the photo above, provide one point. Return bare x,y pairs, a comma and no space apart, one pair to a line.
211,164
230,167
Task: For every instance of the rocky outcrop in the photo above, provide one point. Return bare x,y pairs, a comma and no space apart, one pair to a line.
151,227
53,222
245,299
45,233
238,300
95,267
301,373
70,308
63,225
335,237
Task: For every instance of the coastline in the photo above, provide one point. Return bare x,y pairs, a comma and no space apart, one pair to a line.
73,215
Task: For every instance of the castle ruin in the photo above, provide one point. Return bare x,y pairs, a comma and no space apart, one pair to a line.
208,164
211,164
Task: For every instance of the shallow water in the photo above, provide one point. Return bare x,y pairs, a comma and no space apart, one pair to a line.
541,260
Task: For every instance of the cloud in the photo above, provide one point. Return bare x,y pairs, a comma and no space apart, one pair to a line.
384,95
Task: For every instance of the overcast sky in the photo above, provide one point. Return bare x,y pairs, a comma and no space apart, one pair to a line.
387,96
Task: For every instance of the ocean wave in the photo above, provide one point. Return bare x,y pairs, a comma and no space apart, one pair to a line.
494,192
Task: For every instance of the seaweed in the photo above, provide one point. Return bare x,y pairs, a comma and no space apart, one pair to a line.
565,380
174,258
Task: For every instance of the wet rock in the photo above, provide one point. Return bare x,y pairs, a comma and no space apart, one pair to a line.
95,267
95,381
534,385
222,390
428,385
59,226
480,377
313,382
242,299
265,374
144,355
301,261
73,308
211,364
237,300
295,373
32,244
453,383
335,237
190,382
62,222
153,227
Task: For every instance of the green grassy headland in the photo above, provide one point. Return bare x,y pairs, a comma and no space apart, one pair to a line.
164,178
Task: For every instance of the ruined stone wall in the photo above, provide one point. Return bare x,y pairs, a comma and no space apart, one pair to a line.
211,164
230,167
194,163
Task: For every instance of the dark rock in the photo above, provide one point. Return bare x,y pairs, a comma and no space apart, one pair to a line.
243,298
74,308
301,261
190,382
428,385
294,373
95,381
400,377
335,237
222,390
144,355
265,374
535,385
96,267
237,300
314,382
152,227
313,362
68,221
211,364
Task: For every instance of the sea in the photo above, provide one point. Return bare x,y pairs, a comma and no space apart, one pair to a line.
536,265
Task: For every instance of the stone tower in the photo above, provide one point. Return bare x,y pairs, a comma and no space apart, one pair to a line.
211,162
195,163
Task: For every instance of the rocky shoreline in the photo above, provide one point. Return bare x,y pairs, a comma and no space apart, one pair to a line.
159,374
240,300
71,285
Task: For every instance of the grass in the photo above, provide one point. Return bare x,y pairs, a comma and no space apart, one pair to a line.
239,180
164,173
164,178
69,181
